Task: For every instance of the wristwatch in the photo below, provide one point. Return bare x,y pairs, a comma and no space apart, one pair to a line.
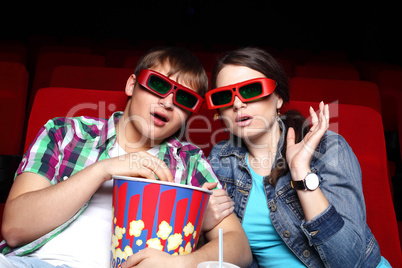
310,182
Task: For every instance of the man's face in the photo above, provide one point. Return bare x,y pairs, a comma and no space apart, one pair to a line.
151,116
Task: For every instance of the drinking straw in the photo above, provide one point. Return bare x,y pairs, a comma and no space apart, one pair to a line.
220,248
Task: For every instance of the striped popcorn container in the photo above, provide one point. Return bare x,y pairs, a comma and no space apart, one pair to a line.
150,213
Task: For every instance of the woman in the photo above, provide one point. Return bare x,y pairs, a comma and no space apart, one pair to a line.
297,190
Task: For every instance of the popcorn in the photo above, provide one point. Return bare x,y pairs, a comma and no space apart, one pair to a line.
188,248
154,243
123,255
164,230
174,241
115,242
159,216
119,232
188,229
136,228
194,234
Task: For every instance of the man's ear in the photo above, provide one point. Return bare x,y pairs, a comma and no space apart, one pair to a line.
130,85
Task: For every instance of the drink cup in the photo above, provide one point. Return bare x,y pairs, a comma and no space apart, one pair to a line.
150,213
215,264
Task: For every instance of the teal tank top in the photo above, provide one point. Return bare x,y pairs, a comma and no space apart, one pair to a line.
266,245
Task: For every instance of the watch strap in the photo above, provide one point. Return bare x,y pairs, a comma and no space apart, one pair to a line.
298,185
301,185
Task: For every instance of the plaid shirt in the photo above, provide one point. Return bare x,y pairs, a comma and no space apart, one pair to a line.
64,146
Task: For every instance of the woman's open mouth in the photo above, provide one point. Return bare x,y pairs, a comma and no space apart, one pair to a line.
243,120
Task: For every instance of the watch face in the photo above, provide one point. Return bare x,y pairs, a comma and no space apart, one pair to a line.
312,181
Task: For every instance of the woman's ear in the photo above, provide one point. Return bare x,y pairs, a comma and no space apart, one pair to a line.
131,81
279,103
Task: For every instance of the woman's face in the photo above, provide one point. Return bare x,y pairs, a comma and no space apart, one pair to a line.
248,120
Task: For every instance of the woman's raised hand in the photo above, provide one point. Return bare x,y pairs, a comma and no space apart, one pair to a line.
299,155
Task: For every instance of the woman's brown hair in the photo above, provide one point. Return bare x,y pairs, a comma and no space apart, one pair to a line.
263,62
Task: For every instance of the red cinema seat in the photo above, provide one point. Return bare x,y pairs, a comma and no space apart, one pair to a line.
68,102
13,95
327,72
355,92
207,59
1,218
354,123
90,77
49,60
65,49
15,51
369,69
116,57
390,86
326,57
205,129
72,102
131,61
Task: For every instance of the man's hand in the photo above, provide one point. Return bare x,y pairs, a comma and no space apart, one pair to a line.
150,257
141,164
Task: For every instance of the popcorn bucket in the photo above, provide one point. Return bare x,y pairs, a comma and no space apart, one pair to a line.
150,213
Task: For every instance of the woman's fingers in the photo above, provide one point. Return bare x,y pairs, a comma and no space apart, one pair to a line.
320,124
320,121
326,114
314,117
291,137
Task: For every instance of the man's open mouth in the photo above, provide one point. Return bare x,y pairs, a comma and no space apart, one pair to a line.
160,117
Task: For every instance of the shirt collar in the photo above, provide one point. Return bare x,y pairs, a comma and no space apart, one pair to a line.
173,141
108,131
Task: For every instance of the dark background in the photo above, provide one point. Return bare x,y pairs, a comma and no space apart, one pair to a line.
369,30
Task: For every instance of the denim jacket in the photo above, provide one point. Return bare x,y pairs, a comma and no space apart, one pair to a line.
339,236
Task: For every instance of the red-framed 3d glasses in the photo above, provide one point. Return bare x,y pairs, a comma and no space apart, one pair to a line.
162,86
246,91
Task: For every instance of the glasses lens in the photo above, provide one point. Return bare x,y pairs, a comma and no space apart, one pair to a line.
222,97
158,84
251,90
186,99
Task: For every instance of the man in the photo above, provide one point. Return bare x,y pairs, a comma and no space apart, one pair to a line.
59,209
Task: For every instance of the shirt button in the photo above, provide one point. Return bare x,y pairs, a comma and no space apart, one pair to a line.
306,253
286,234
273,208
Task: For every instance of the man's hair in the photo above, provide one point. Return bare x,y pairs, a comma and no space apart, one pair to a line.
181,62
